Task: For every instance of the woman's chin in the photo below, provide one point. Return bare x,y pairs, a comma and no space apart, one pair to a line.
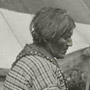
59,56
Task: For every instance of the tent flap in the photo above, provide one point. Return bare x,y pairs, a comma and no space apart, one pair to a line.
79,9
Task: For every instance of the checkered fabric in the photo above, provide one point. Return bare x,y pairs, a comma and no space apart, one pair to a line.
34,73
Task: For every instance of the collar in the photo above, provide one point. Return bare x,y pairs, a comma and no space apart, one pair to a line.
32,49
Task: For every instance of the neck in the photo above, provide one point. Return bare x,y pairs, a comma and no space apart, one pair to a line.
42,49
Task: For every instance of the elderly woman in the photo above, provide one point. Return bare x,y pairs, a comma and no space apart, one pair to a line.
36,67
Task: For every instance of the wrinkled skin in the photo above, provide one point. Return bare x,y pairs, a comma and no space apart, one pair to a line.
59,48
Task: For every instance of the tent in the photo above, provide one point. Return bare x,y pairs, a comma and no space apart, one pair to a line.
78,9
16,15
14,34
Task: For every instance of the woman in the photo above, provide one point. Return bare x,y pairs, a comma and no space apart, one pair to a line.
36,67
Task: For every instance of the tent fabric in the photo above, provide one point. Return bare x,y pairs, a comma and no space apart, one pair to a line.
79,9
81,37
14,34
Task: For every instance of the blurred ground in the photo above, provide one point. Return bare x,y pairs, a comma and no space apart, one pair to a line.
1,85
3,73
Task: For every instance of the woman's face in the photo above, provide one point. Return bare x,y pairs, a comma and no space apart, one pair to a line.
60,47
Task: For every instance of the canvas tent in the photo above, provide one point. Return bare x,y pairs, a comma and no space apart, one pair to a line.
14,33
14,26
78,9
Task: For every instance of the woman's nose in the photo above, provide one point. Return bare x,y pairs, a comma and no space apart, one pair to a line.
69,42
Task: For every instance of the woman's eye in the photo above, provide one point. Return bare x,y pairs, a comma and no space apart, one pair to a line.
67,37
